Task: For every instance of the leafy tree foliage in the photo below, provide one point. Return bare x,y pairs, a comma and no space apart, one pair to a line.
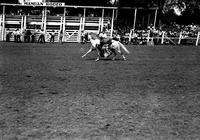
189,9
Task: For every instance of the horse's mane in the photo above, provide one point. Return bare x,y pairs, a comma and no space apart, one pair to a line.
94,35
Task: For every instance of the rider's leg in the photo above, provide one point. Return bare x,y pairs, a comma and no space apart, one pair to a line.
121,53
99,52
109,42
100,49
107,49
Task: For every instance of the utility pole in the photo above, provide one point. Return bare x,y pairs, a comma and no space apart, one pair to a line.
118,9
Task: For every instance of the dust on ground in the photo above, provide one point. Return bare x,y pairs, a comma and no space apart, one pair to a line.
49,92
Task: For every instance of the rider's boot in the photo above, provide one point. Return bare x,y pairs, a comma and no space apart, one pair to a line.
107,50
97,59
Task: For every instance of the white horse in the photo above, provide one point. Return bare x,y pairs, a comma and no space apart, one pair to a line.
116,46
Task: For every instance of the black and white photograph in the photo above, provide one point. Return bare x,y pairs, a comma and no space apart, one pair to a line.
99,69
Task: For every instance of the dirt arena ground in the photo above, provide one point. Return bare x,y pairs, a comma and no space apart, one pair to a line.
48,92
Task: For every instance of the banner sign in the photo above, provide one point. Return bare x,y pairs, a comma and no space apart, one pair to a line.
53,4
33,0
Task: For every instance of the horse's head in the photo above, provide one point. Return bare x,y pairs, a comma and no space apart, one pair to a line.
94,36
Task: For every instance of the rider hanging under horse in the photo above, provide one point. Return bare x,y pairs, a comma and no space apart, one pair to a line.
104,46
105,43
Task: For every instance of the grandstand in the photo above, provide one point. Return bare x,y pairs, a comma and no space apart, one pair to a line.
72,20
71,25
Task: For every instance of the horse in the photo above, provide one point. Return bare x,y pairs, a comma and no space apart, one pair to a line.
95,41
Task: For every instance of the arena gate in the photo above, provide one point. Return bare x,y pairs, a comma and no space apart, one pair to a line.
71,26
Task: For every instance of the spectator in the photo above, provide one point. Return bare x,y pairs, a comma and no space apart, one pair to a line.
15,35
41,38
116,37
8,35
18,33
61,36
33,36
83,40
27,34
52,36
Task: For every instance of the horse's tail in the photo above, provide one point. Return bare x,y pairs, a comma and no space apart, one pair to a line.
123,47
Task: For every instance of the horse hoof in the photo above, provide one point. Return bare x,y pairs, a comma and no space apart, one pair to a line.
124,59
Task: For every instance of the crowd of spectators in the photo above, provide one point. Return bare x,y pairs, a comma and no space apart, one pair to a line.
32,36
173,33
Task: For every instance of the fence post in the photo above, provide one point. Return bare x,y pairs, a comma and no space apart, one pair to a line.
112,22
24,22
80,30
64,21
148,37
1,26
22,28
163,37
156,13
135,17
180,37
61,20
130,35
84,15
3,22
102,20
45,20
99,26
42,25
59,34
197,41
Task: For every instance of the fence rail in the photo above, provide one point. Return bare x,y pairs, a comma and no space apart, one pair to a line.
70,25
163,37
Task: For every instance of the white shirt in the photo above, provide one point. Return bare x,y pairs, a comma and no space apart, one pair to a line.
18,32
42,32
53,33
103,35
14,32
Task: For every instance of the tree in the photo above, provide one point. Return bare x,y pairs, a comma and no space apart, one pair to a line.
181,10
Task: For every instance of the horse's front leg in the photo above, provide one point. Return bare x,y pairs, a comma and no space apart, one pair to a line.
98,54
89,51
122,55
97,59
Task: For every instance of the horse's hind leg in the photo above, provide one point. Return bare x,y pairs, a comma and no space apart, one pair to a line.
86,53
97,59
124,58
89,51
98,54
